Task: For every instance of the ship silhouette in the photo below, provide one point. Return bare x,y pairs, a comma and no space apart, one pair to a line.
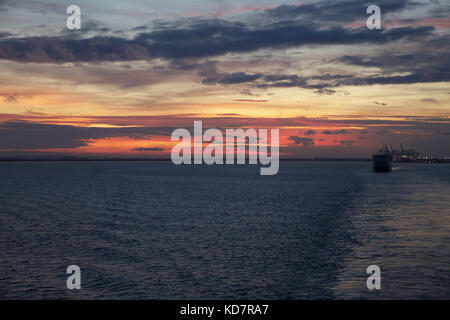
382,161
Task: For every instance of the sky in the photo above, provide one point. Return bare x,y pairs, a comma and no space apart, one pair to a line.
137,70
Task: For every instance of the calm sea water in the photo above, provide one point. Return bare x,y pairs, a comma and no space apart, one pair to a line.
152,230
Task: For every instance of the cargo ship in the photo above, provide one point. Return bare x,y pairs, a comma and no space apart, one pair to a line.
382,161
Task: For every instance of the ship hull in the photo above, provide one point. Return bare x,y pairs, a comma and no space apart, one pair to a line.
382,163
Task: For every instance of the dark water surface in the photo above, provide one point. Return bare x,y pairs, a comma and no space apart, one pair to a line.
156,231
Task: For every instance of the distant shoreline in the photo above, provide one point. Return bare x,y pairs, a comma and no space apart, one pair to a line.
437,160
164,160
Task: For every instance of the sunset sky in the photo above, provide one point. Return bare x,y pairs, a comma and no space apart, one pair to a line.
138,69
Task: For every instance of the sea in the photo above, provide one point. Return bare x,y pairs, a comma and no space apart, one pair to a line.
153,230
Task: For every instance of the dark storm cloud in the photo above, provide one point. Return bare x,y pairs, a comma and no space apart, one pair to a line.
426,74
238,77
305,142
260,80
442,12
91,26
336,11
5,34
427,63
185,65
435,69
216,37
415,77
357,60
140,28
330,77
60,49
27,135
434,54
201,39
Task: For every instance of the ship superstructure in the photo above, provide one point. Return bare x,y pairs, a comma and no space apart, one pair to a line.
382,161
